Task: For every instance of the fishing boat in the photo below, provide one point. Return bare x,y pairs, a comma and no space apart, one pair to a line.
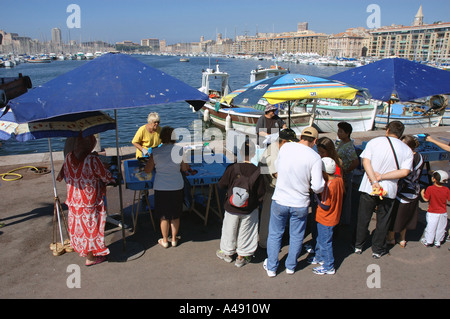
411,114
242,119
360,113
261,73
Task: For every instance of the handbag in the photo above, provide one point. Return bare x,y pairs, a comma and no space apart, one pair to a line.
403,184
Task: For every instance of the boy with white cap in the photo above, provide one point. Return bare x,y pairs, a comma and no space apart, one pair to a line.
328,215
437,195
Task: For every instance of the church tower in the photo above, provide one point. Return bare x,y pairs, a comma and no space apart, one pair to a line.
418,20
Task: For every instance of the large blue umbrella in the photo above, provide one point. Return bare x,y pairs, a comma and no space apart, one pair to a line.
109,82
394,76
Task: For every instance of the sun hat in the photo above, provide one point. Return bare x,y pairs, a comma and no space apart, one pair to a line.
311,132
328,165
270,107
288,135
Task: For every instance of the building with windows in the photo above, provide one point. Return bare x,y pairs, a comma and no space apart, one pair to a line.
56,36
151,43
305,41
353,43
420,41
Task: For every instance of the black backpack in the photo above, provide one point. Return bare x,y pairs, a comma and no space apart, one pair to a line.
241,187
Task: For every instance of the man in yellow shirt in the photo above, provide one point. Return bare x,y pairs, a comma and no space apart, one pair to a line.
147,135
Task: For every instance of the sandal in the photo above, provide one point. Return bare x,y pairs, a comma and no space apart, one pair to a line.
98,260
402,243
174,242
162,243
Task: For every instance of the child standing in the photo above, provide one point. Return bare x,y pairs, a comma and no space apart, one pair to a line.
240,222
327,216
437,195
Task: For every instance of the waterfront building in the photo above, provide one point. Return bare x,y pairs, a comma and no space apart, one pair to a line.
353,43
154,44
420,41
288,42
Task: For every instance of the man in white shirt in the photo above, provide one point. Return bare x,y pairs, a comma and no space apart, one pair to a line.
381,171
299,170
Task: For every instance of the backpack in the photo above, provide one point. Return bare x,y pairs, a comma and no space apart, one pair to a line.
241,187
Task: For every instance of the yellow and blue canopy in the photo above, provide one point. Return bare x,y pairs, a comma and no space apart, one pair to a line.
290,87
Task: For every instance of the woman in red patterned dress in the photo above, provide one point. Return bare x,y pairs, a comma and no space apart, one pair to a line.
86,178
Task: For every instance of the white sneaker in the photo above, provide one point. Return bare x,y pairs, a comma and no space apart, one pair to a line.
270,273
289,271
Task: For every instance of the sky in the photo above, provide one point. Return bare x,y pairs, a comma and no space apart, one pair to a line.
187,20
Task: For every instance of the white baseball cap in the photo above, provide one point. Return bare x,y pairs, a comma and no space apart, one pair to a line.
443,175
328,165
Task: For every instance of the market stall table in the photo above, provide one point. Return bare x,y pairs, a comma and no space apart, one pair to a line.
205,171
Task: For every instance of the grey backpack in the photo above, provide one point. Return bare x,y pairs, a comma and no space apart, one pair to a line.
240,189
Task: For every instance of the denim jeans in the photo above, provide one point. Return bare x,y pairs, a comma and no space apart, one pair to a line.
324,246
279,215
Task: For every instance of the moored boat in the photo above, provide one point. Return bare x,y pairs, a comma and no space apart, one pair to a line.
241,119
39,60
410,114
360,113
261,73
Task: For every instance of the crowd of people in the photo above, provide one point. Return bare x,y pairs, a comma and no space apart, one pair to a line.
307,180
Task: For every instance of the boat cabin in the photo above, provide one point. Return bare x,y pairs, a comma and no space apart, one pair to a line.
214,83
264,73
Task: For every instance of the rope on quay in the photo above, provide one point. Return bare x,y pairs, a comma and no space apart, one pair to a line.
36,170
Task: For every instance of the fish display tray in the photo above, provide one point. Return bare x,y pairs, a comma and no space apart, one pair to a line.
135,177
209,171
206,172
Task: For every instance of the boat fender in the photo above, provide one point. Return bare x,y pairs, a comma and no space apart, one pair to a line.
206,115
3,98
228,122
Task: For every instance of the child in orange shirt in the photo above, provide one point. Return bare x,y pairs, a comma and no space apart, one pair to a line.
327,216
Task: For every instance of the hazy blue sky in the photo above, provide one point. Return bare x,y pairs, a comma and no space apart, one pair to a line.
185,21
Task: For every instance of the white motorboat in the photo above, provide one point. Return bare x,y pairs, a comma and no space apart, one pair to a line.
261,73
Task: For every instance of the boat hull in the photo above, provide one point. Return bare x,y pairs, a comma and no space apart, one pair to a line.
446,117
434,120
327,117
246,123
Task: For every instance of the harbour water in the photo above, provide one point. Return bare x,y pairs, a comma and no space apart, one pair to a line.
177,115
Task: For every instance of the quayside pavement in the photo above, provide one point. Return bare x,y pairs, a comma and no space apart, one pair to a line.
140,268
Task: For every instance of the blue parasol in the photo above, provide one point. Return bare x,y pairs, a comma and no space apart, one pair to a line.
405,79
109,82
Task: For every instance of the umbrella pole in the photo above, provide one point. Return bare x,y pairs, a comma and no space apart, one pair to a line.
313,113
389,112
119,165
54,191
289,114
